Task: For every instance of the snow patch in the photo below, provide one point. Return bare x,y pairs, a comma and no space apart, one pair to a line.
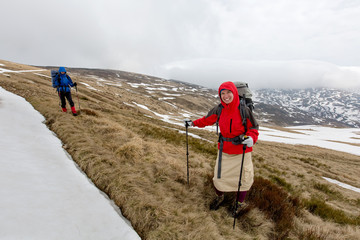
42,75
3,70
166,98
344,185
137,85
44,195
90,87
339,139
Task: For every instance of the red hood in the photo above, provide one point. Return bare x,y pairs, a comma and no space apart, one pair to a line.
230,86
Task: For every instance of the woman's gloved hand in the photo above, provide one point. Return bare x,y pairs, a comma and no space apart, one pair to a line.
249,142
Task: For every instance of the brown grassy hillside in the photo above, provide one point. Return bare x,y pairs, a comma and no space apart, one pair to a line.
139,161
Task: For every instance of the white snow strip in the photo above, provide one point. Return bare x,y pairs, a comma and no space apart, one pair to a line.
195,136
162,84
172,94
344,185
42,75
157,89
166,98
136,85
90,87
43,194
170,119
129,104
3,70
173,105
164,117
142,106
114,84
186,114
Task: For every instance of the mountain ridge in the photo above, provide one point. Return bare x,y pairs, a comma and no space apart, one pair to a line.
281,107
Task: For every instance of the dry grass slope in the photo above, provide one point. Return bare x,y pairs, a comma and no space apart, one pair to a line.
140,162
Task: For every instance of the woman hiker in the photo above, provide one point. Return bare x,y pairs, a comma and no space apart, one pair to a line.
63,84
234,134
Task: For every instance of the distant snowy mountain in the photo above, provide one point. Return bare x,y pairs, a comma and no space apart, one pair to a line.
308,106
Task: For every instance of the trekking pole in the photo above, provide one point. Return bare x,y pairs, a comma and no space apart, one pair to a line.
77,97
58,93
187,153
243,115
239,185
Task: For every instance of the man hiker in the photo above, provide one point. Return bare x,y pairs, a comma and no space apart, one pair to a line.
63,82
235,146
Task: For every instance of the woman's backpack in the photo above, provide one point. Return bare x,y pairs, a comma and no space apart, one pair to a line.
245,92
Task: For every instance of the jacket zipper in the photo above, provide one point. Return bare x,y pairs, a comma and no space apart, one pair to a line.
230,124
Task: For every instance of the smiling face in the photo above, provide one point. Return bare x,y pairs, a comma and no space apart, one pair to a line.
227,96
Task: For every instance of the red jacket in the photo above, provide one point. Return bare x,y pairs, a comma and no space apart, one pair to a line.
230,121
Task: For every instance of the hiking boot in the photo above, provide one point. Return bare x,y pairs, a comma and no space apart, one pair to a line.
73,111
216,203
240,207
64,109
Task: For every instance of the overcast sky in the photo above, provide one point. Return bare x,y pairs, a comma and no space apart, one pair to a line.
278,43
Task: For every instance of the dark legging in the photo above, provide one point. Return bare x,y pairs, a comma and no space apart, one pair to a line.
241,197
66,95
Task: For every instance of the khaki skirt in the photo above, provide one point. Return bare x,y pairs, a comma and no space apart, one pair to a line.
230,173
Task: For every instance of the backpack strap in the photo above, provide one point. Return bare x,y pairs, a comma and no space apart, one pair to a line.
57,79
220,107
242,108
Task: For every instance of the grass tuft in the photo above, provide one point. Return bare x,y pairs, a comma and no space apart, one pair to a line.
280,181
328,191
326,212
89,112
313,234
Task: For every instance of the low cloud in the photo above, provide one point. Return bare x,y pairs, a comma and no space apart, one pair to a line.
264,74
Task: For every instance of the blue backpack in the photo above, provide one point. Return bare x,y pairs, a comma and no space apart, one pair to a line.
55,78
